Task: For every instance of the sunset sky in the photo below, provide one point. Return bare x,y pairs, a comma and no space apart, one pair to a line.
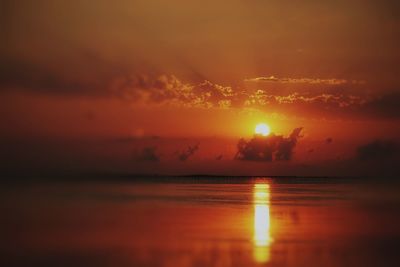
170,87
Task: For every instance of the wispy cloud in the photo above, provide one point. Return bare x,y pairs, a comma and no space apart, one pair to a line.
332,81
168,89
184,155
310,98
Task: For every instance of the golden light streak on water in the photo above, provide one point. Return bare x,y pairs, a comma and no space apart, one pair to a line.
262,222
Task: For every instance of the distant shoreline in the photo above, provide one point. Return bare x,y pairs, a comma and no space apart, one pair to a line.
188,178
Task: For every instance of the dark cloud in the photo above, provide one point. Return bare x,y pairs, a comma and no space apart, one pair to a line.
31,77
184,155
269,148
80,71
386,105
148,154
378,150
286,146
328,140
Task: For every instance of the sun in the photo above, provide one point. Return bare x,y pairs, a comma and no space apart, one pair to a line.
262,129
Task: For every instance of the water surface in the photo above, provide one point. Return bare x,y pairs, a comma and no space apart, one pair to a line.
247,222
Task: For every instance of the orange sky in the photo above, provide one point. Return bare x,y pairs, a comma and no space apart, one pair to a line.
184,70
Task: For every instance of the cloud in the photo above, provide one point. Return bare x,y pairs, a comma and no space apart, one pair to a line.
150,88
308,87
286,146
171,90
327,105
384,106
331,98
38,79
269,148
300,80
80,71
168,89
148,154
378,150
328,140
184,155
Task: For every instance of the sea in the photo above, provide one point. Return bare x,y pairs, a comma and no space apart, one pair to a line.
200,221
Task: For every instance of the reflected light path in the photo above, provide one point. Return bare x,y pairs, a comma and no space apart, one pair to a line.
262,237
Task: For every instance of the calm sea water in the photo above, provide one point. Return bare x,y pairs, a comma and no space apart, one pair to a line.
191,222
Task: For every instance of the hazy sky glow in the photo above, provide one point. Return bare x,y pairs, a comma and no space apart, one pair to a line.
152,79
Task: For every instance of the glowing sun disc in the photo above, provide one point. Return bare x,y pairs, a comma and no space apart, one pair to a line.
262,129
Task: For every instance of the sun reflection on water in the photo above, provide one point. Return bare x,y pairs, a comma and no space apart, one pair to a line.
262,236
